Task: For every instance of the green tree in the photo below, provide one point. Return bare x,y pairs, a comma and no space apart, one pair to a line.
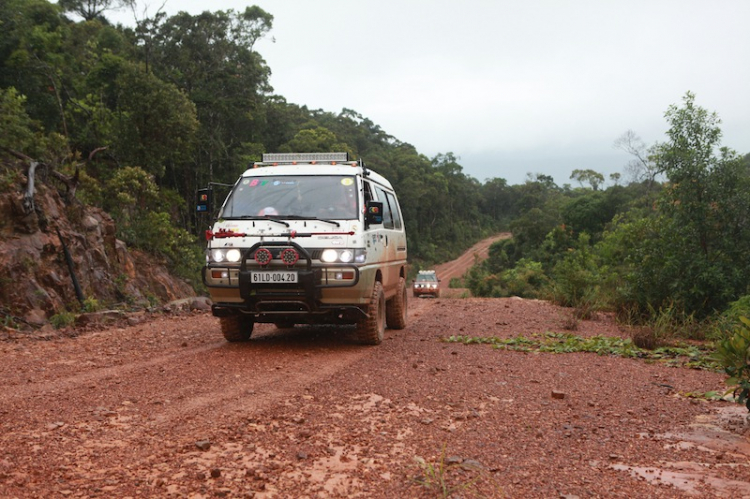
576,276
143,220
92,9
32,58
697,252
19,130
318,139
530,231
210,57
498,199
156,123
593,178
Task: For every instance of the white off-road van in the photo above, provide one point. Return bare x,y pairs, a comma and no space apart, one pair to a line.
311,238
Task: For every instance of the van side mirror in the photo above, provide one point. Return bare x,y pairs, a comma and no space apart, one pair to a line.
204,201
374,213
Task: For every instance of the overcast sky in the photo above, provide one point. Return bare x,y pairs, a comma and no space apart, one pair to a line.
509,87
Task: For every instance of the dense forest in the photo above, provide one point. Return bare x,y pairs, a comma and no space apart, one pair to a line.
135,119
140,118
671,251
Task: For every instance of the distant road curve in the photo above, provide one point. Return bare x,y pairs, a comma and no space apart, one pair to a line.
459,266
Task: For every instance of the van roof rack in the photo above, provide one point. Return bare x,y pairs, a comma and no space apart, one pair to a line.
304,157
312,158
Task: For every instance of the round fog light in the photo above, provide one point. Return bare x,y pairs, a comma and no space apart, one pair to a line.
329,256
289,256
263,256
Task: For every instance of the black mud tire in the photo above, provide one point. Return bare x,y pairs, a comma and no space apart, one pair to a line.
371,329
396,307
236,328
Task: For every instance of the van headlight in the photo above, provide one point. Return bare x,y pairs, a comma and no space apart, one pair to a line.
233,255
344,255
329,256
219,255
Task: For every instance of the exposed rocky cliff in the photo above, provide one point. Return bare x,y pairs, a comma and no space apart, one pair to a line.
35,278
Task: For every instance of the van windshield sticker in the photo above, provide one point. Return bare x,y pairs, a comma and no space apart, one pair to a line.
324,197
257,182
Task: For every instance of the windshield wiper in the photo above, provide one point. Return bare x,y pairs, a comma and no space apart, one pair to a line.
289,217
277,221
254,217
300,217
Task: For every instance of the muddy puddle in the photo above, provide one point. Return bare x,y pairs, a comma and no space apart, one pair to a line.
724,438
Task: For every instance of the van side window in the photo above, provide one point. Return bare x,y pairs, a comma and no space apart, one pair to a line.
393,204
387,213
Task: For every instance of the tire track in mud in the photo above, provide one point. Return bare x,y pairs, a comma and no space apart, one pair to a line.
164,390
167,387
112,425
273,365
96,375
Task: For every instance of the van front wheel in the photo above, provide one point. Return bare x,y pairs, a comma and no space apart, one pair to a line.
237,327
371,329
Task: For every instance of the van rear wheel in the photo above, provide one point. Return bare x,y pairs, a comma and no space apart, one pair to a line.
371,329
237,327
395,308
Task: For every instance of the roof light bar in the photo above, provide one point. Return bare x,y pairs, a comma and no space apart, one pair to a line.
305,157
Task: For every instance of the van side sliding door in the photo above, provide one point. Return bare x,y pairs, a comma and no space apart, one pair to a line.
394,240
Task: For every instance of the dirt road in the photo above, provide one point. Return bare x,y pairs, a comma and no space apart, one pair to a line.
458,267
167,408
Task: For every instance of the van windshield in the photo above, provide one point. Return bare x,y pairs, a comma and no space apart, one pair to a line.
294,196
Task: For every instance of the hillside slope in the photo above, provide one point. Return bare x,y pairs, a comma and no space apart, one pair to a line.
37,282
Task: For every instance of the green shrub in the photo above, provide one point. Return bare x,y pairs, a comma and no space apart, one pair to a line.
91,304
576,278
727,322
62,319
480,281
733,354
143,221
526,279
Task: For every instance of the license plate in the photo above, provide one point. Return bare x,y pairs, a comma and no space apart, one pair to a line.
273,276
